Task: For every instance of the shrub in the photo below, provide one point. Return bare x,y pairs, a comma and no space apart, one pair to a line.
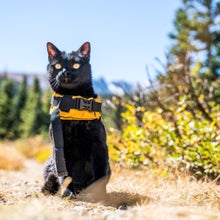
34,148
188,143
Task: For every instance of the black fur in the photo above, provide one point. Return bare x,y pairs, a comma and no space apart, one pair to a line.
85,148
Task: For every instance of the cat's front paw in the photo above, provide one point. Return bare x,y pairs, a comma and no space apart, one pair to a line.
51,185
65,192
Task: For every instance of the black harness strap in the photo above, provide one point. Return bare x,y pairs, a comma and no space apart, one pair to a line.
57,135
67,102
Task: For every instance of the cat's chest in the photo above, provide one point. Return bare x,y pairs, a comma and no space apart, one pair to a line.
79,139
80,131
74,128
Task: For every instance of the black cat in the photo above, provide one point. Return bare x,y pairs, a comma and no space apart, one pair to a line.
80,153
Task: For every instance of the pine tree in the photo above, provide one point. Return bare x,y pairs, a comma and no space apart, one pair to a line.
6,107
192,64
19,103
205,33
45,119
32,113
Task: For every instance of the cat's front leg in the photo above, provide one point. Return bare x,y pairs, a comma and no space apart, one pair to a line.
52,184
65,192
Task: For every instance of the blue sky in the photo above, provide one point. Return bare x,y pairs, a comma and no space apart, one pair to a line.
125,36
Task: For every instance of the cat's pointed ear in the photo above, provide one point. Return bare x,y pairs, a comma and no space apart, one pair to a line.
84,50
52,51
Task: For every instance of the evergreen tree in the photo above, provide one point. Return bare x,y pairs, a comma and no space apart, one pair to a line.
19,103
45,119
6,107
32,113
192,67
204,15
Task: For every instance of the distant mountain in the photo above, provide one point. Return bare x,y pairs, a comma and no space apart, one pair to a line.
101,86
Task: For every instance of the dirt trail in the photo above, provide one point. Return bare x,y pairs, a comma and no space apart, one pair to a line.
21,198
146,198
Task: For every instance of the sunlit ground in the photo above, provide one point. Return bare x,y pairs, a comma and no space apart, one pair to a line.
132,194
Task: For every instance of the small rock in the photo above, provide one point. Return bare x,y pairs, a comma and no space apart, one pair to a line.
123,206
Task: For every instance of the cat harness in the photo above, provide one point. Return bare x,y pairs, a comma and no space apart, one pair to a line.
76,107
67,107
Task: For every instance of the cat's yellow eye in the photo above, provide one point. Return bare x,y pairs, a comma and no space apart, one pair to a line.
76,66
58,66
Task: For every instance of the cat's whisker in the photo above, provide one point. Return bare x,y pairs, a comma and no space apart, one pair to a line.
54,83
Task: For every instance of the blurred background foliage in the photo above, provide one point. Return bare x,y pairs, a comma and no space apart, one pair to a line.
171,125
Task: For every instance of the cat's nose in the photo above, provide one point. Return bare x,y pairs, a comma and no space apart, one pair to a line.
66,73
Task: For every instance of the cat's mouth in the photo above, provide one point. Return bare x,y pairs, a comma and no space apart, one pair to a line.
66,82
64,78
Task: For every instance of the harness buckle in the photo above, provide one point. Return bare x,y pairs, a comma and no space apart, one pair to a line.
85,104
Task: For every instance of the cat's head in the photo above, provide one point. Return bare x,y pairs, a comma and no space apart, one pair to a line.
70,73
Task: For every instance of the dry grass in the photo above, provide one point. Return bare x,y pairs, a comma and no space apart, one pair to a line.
12,154
132,194
10,158
146,195
34,148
